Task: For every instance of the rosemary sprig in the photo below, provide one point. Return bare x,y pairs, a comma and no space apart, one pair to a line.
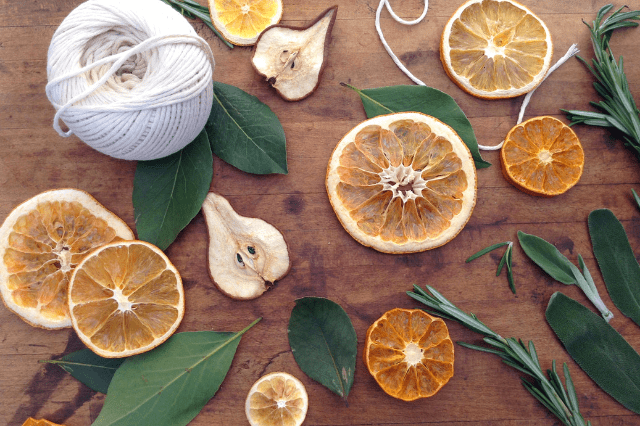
618,108
192,9
506,259
549,391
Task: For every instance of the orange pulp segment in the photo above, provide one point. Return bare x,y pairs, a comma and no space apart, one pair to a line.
125,298
542,156
409,353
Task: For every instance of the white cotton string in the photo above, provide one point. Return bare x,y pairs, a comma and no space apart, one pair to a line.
573,50
131,78
402,21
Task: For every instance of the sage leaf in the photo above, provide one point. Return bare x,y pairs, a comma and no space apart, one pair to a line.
324,343
245,133
546,256
597,348
168,192
170,384
424,99
619,267
90,369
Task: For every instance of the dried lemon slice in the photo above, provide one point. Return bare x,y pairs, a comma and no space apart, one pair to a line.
41,242
125,298
402,183
242,21
496,48
277,399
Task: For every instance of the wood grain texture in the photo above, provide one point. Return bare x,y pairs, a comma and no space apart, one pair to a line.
326,261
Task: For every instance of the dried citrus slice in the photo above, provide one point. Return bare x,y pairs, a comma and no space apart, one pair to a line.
409,353
542,156
402,183
125,298
33,422
242,21
277,399
495,48
41,242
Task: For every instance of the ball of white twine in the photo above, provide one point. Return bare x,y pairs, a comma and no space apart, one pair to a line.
130,78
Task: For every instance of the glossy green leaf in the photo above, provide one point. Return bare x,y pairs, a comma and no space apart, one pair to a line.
245,133
424,99
324,343
546,256
597,348
168,192
618,264
170,384
87,367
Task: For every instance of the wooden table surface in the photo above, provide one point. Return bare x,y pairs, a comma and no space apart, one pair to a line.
326,261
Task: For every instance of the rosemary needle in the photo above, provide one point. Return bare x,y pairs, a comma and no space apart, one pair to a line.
561,400
506,259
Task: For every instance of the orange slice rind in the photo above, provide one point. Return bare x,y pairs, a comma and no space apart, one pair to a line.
125,298
409,353
41,242
496,48
277,399
242,21
542,156
402,183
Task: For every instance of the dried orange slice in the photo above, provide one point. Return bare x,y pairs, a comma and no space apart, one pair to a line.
542,156
41,242
125,298
242,21
409,353
496,48
277,399
33,422
402,183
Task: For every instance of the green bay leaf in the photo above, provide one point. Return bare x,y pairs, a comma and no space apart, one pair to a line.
324,343
546,256
597,348
619,267
169,385
245,133
424,99
169,192
87,367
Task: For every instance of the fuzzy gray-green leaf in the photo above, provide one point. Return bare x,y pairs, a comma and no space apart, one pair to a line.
546,256
245,133
598,349
169,385
324,343
617,262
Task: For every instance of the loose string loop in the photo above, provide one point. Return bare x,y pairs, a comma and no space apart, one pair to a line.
385,3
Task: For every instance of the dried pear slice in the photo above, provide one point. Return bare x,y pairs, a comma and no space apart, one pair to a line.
292,59
246,255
